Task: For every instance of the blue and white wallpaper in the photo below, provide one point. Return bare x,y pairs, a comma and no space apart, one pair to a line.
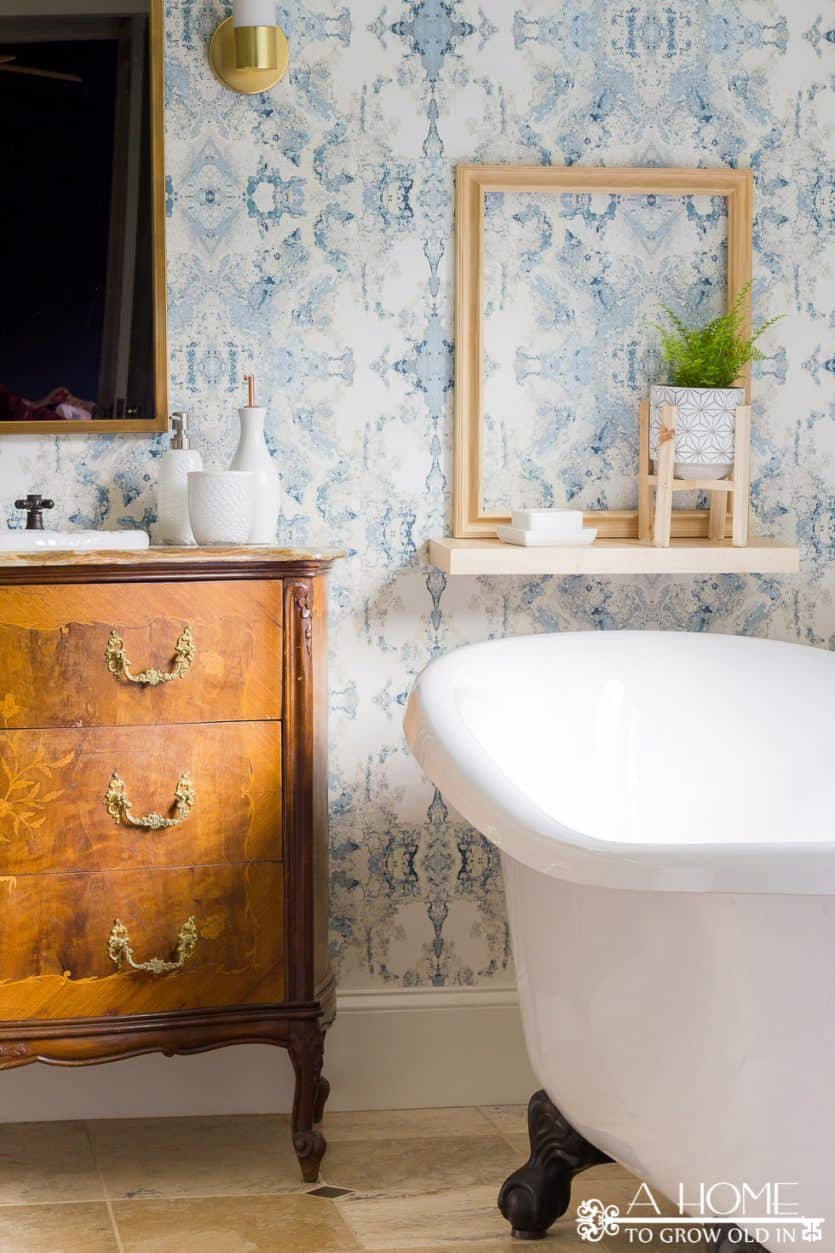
572,286
311,241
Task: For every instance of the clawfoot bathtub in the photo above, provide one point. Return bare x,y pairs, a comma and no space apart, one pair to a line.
665,810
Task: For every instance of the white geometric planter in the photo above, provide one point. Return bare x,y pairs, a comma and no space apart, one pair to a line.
704,429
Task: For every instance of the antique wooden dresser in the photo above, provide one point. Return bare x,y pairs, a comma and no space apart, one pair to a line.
163,809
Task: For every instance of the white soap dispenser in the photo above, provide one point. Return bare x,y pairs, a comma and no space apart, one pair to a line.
253,454
172,495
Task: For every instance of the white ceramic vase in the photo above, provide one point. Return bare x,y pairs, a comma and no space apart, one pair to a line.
704,430
253,455
220,506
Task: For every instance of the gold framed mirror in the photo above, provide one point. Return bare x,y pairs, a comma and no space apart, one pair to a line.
83,345
558,231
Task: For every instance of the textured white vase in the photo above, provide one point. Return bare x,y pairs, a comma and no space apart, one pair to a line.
253,455
704,428
220,505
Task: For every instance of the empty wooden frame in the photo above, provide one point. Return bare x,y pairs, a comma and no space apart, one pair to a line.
470,521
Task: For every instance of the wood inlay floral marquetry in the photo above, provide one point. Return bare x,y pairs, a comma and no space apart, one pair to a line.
58,643
164,843
28,774
61,779
9,707
54,953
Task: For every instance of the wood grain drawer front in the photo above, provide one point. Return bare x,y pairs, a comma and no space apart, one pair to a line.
56,785
54,639
55,931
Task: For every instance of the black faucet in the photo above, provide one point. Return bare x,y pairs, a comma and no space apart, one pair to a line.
34,504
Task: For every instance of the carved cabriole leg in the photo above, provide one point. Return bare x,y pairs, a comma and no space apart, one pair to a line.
306,1046
323,1091
538,1193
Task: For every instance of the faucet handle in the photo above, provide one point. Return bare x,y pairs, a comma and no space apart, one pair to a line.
34,504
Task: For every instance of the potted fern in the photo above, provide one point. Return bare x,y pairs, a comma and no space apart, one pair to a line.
704,364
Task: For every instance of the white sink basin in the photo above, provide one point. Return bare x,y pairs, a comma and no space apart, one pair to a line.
71,541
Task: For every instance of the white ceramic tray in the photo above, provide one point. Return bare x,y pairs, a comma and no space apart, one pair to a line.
541,539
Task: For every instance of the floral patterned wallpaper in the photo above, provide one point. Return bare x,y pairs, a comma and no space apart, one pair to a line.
311,240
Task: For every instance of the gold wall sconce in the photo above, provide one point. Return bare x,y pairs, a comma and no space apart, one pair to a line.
248,52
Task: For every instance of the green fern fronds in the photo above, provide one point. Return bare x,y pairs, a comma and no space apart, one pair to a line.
712,355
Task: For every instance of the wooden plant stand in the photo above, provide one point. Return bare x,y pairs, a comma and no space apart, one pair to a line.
654,524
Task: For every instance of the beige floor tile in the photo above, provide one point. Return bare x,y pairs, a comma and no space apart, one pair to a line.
612,1170
174,1157
47,1161
427,1221
521,1146
502,1245
563,1238
508,1118
406,1124
84,1228
251,1224
424,1165
469,1218
615,1190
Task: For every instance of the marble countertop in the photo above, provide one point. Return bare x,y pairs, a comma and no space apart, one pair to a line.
166,556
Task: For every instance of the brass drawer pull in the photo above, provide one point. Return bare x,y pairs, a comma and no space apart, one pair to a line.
119,664
119,806
118,946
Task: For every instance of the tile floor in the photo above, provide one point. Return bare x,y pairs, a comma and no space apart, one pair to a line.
417,1180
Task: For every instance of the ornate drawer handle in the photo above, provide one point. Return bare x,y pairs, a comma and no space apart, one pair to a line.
119,807
118,946
119,664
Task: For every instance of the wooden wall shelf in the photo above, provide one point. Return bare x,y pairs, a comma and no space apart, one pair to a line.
612,556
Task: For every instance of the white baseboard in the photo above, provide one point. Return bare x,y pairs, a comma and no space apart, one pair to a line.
428,1047
388,1049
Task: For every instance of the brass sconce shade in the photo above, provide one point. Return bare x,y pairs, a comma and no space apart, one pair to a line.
249,59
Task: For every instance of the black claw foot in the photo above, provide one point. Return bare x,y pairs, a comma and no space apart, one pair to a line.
538,1193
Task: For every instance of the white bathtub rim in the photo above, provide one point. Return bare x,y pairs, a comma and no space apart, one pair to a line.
470,780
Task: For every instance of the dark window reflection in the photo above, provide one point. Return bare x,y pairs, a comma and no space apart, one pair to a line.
76,314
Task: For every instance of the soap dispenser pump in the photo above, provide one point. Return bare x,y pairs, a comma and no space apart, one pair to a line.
174,468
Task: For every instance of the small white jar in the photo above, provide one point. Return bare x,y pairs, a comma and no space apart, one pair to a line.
220,506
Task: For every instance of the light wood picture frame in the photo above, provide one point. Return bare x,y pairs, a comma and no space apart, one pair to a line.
473,183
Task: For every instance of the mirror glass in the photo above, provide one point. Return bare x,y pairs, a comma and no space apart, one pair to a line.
572,284
82,325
